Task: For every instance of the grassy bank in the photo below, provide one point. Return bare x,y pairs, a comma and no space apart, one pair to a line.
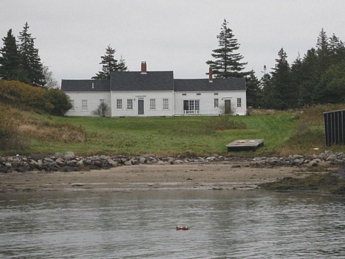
285,133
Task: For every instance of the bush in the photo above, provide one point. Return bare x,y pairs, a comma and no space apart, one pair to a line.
101,110
58,100
53,101
10,138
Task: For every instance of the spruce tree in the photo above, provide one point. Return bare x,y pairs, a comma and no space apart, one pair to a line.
285,92
254,92
323,52
10,60
109,64
31,61
227,62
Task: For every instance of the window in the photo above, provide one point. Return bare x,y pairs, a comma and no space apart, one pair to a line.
184,94
215,93
72,103
84,105
191,106
119,104
198,94
165,104
152,104
216,103
239,102
129,104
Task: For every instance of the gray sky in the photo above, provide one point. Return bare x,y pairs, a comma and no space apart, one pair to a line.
170,35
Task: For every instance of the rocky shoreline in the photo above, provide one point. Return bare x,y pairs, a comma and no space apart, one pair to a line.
69,162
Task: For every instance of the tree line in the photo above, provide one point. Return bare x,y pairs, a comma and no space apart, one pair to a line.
21,61
316,78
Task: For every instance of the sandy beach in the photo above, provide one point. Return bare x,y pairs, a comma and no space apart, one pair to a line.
146,177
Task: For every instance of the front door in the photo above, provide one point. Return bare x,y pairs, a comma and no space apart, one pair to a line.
140,107
227,105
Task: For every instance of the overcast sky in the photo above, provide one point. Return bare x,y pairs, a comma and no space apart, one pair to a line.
170,35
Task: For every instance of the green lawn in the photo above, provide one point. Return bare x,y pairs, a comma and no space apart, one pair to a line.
197,135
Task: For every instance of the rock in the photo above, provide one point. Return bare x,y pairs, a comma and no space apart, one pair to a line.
314,162
112,162
69,155
59,161
142,160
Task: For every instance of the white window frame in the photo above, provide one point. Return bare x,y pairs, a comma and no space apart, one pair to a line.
192,105
239,102
119,104
84,105
152,104
216,102
165,104
129,104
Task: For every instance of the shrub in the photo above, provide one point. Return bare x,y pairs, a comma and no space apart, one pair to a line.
59,102
10,138
53,101
101,110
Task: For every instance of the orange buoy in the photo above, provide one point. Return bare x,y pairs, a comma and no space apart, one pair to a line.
182,228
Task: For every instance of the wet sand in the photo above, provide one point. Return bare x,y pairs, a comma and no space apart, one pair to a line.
146,177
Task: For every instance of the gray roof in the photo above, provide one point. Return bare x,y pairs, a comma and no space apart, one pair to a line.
218,84
85,85
136,81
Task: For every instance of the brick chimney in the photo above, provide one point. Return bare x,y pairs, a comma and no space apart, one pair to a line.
143,67
210,79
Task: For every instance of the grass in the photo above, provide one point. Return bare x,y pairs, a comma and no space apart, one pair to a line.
285,133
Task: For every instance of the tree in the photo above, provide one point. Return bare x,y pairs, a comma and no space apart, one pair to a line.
31,61
109,64
285,92
323,52
227,63
10,61
305,76
49,79
254,92
268,92
331,88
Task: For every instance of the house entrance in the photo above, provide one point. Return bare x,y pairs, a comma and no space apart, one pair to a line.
227,106
141,107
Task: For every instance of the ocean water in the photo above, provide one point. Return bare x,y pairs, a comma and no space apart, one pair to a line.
142,224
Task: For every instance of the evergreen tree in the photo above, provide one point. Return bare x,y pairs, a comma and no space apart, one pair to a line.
109,64
31,61
268,92
308,77
227,63
10,60
323,52
285,93
331,88
254,92
122,65
337,50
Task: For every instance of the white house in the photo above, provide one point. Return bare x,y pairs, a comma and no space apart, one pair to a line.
156,93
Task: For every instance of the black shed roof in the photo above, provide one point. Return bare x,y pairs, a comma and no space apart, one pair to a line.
137,81
218,84
68,85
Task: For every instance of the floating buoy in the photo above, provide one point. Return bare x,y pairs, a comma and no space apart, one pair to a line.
182,228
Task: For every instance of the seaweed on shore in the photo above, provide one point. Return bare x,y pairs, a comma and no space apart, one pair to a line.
333,182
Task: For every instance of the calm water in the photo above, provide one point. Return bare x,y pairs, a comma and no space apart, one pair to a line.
223,224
